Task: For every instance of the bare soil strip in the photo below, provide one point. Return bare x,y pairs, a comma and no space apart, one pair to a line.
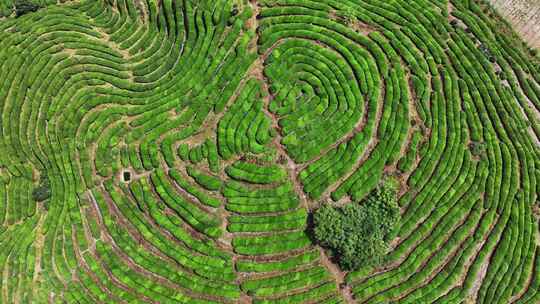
524,16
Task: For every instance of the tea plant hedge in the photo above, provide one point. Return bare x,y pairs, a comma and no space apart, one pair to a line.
175,151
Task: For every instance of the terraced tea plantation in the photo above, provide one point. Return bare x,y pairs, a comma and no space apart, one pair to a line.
174,151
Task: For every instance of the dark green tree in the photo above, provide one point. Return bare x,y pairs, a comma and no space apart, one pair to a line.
43,190
24,6
358,233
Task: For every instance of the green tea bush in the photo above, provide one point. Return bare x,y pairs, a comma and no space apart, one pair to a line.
234,126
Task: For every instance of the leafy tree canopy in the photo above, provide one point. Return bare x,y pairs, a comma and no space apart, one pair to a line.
358,233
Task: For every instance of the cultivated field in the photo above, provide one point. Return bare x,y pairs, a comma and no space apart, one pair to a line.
174,151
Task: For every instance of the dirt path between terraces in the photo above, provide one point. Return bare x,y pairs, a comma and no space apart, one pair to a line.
293,168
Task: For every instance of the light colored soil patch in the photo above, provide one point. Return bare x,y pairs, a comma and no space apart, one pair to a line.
524,15
479,279
338,275
39,243
362,27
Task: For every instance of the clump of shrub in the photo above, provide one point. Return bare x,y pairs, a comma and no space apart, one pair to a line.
43,191
23,7
234,10
357,234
